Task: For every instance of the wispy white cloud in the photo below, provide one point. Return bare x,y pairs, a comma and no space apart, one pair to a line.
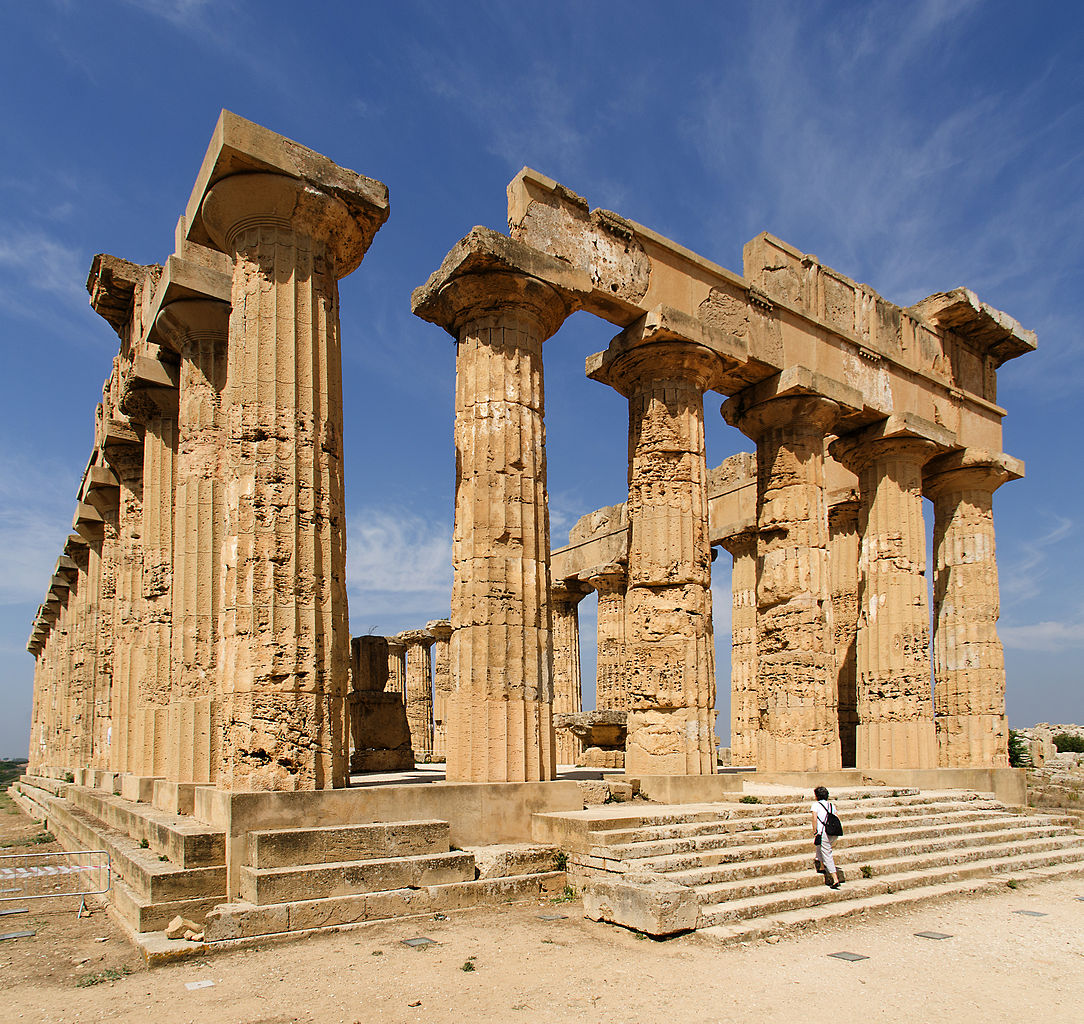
1045,636
34,262
1020,576
36,504
399,565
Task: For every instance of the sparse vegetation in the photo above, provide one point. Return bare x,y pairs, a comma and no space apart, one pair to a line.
468,965
1067,744
109,974
69,777
749,800
1012,883
1019,755
867,871
42,838
560,861
567,896
144,845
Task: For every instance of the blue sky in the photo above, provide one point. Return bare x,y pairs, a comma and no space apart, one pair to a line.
915,146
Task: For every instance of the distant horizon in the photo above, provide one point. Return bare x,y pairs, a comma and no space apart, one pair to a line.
879,136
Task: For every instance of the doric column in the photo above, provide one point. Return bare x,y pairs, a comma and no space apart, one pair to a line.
154,409
441,631
744,698
419,691
126,462
197,329
396,667
101,496
611,685
52,682
968,664
895,709
796,675
285,640
500,713
669,649
565,597
843,552
75,564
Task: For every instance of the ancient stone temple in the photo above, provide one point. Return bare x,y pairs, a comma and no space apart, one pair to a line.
197,693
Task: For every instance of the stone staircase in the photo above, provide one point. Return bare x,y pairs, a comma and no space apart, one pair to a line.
737,870
291,880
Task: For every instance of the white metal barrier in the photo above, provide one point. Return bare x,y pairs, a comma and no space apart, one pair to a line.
38,876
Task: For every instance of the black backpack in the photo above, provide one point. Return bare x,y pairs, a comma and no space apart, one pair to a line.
832,825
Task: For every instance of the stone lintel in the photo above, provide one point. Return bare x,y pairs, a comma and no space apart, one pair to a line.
964,313
619,257
239,146
665,326
111,431
570,589
793,381
112,283
484,251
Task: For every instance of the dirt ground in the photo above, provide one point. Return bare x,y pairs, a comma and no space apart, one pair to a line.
997,966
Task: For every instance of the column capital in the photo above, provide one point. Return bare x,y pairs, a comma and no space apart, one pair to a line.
395,646
664,344
440,630
487,274
186,321
414,638
570,591
606,578
969,469
741,539
858,451
813,412
241,202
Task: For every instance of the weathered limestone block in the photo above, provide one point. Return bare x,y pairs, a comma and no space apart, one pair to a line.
650,905
378,722
285,640
565,596
669,651
500,713
197,330
843,557
441,631
419,691
744,696
969,666
510,859
895,710
611,684
601,736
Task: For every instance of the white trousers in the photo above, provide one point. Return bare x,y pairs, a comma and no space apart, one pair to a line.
824,853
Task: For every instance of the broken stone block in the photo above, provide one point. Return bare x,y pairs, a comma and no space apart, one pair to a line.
652,906
182,928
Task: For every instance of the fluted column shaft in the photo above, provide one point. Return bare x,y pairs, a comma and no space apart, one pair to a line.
500,715
895,707
844,547
419,692
611,684
37,714
969,665
83,661
744,698
197,330
59,754
669,648
285,640
567,684
126,461
397,668
796,674
105,556
441,631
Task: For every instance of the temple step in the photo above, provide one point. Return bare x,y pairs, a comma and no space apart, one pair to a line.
288,847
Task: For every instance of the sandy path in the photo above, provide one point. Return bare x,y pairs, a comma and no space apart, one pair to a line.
999,966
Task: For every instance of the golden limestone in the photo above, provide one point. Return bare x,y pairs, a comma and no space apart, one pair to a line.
195,629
